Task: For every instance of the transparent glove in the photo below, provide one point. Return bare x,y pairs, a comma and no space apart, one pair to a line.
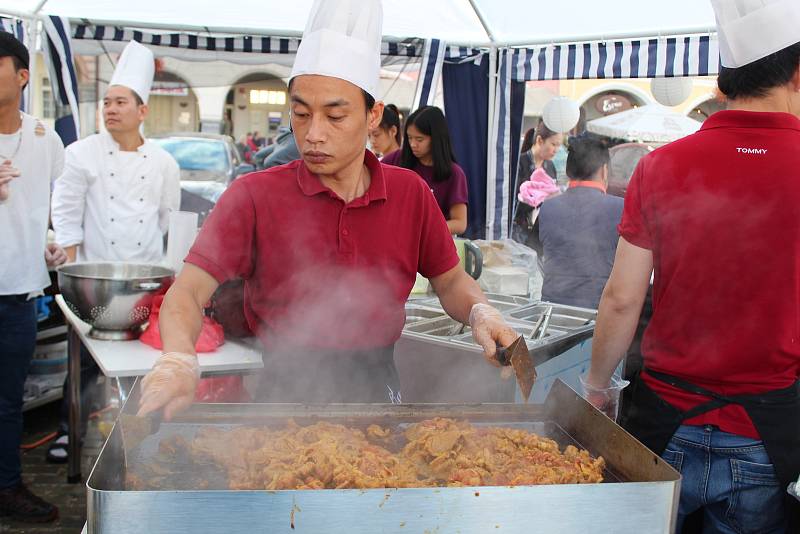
170,384
489,329
7,173
605,399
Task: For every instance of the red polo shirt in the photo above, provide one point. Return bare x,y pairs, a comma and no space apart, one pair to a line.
720,211
319,272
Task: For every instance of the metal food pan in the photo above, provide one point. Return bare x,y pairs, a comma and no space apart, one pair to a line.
416,313
641,496
504,303
562,316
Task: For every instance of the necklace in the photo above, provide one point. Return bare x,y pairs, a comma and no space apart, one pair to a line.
19,144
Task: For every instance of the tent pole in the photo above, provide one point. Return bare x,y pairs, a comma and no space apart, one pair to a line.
483,20
39,7
491,145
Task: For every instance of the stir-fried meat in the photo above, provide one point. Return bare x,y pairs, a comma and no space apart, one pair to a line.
437,452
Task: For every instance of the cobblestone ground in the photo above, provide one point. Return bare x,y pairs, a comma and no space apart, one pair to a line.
49,481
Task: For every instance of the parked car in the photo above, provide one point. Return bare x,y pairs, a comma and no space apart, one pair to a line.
208,163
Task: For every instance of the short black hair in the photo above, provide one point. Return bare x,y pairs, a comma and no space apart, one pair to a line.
586,157
430,120
391,117
755,79
369,100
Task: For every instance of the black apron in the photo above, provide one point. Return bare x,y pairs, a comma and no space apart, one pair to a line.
775,415
322,376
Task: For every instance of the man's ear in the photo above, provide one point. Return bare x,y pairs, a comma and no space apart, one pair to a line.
143,111
796,79
375,115
24,76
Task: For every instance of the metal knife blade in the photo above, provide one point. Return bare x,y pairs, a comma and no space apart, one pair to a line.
135,429
517,356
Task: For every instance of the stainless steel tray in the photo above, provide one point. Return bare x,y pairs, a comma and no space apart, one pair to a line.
641,495
504,303
563,317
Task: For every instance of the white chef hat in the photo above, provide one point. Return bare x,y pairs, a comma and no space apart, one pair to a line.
135,70
342,39
750,30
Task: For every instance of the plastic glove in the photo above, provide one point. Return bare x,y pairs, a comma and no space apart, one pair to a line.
605,399
489,329
170,384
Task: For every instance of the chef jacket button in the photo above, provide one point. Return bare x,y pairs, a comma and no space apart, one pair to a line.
141,221
112,197
113,243
345,232
112,174
112,219
141,200
145,156
139,244
110,153
142,177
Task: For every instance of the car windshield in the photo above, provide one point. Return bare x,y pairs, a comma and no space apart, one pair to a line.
196,154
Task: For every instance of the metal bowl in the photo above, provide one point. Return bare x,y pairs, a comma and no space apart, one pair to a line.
114,298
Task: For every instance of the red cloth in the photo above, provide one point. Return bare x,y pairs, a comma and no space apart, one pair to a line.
211,335
719,210
317,272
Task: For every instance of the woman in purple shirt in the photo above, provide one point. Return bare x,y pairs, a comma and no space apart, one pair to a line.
428,152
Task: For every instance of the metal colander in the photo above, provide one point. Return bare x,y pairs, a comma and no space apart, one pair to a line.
114,298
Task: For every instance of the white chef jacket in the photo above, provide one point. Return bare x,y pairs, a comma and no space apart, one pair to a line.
23,216
115,205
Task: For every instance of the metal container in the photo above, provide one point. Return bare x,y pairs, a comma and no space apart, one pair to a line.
504,303
416,313
114,298
563,317
640,493
438,361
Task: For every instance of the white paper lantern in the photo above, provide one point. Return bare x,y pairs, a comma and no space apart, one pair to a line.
671,91
561,114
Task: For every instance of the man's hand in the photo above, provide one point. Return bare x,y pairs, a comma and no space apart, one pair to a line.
54,255
604,395
170,384
7,173
489,330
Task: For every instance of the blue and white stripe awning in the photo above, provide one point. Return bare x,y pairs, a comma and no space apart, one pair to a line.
689,55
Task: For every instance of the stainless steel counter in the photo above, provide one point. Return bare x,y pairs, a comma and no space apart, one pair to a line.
641,495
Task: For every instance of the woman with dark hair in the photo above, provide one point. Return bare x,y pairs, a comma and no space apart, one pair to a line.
539,147
427,151
386,139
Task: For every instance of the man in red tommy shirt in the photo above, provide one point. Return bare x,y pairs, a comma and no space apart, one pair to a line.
715,215
328,246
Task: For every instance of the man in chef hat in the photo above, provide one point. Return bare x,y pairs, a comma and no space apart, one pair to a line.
719,397
328,245
113,200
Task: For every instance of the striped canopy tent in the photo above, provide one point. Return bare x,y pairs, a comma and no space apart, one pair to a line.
483,50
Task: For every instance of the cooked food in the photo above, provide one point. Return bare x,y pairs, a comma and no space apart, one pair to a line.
432,453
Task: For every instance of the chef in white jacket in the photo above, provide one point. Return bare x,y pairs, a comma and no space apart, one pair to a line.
113,200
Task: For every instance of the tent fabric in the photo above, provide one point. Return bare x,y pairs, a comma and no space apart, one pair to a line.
455,21
430,73
466,103
687,55
64,79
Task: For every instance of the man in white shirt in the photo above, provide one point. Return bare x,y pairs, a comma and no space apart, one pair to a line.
112,202
31,156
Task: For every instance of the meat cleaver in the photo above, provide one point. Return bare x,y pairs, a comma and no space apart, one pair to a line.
517,356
